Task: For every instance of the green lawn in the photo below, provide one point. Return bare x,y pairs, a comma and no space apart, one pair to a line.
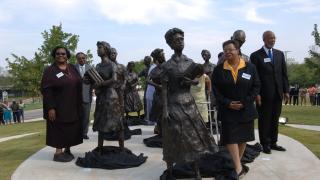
32,106
309,115
307,137
14,152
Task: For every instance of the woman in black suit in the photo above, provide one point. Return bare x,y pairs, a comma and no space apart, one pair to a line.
235,84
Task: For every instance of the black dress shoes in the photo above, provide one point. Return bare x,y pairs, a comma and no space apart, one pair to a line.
266,149
68,152
62,157
277,148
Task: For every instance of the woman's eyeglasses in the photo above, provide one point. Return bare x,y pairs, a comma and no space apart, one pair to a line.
62,54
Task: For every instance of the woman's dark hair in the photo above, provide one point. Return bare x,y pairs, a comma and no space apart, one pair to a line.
170,33
53,52
235,43
155,54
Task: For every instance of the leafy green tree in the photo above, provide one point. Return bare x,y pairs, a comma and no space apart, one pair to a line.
301,74
26,73
313,62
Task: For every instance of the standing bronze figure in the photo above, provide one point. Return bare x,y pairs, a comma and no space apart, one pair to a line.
107,115
185,136
154,79
132,102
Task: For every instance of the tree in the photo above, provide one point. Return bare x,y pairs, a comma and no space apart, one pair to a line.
26,73
301,74
313,62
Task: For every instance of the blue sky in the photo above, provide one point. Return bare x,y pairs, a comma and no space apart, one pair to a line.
136,27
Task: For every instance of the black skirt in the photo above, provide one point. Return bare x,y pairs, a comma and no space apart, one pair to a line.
62,134
237,132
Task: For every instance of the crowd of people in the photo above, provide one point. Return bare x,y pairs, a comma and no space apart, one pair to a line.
11,113
299,96
242,88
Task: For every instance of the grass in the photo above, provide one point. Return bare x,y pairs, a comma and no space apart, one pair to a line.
32,106
21,128
309,115
308,138
14,152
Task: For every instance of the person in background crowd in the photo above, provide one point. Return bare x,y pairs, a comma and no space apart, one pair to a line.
15,112
291,94
272,69
82,67
2,108
296,95
303,96
7,114
312,95
61,89
318,95
21,109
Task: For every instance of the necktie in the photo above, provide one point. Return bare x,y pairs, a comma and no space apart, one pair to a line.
82,70
270,56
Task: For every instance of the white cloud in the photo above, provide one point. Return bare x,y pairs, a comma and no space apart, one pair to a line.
303,6
252,16
250,10
151,11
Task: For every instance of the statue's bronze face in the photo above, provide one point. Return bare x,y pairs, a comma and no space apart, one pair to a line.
239,36
206,55
161,58
101,51
113,55
177,42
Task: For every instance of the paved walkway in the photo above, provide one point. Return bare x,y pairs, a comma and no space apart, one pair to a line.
294,164
308,127
16,137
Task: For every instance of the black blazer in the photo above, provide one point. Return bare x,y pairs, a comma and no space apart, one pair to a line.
273,77
244,90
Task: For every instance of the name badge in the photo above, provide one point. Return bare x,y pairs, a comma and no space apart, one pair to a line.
246,76
59,75
266,60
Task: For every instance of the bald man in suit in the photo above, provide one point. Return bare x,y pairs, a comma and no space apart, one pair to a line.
272,70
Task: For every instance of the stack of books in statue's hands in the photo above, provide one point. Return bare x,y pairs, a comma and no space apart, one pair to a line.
94,76
193,71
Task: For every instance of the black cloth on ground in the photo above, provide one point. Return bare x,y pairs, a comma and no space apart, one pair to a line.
112,158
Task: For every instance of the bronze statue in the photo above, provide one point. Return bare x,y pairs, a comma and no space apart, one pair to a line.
185,136
132,102
240,37
107,115
207,65
154,79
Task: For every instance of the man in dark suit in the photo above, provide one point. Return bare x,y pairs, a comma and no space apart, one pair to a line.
82,67
272,70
